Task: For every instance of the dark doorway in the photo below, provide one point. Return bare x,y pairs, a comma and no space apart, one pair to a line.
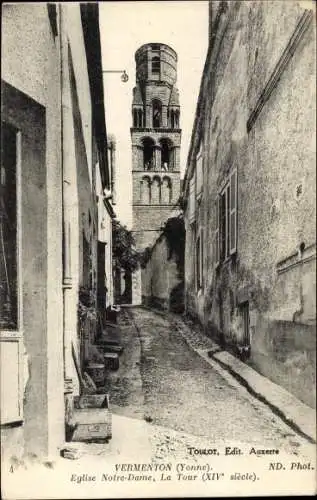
126,297
245,315
101,287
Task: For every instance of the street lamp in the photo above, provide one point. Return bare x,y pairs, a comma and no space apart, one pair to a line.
124,75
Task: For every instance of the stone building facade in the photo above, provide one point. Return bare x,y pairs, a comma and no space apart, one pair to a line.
156,140
53,146
250,189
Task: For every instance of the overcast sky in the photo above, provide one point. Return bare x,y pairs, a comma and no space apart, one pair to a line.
125,26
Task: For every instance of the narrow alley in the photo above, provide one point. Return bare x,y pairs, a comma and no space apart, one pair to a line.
162,380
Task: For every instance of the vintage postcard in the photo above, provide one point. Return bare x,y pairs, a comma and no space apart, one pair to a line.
158,249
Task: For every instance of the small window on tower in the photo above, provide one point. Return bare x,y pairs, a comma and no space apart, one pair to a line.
157,114
156,65
135,118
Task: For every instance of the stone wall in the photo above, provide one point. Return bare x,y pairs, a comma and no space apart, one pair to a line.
162,280
148,223
252,118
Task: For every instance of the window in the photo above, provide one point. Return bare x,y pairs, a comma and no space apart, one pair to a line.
137,118
173,118
157,114
148,153
199,172
156,65
233,212
8,231
11,349
167,154
224,222
176,122
225,236
140,118
191,200
199,260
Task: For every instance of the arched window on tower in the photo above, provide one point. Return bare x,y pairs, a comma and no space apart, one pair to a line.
156,113
177,118
140,118
135,118
148,153
156,65
174,114
145,190
172,118
167,154
156,191
166,191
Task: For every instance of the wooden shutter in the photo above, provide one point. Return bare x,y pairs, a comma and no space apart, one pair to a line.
199,173
201,258
197,261
191,211
227,220
216,236
233,212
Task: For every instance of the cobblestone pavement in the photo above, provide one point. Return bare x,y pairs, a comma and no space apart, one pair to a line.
162,380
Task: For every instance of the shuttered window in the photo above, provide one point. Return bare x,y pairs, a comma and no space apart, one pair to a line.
199,173
192,204
216,236
197,254
233,212
225,235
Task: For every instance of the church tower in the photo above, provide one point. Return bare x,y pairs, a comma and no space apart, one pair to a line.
156,139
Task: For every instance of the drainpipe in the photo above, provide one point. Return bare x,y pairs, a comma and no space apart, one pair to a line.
113,168
66,194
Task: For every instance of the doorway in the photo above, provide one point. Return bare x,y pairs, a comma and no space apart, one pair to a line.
245,315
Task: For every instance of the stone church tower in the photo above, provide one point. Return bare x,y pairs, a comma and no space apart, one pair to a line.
156,138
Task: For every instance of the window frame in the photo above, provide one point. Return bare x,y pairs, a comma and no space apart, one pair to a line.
199,255
192,199
16,335
157,108
233,214
199,166
156,63
224,240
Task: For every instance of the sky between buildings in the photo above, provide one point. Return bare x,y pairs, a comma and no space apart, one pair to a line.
125,26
